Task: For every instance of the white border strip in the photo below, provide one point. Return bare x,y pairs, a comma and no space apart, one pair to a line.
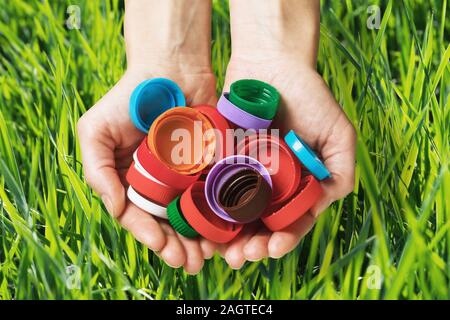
146,205
144,172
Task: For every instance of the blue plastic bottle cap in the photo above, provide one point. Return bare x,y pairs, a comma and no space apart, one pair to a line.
151,98
306,156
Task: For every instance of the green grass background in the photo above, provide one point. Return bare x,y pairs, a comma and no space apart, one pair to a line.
393,83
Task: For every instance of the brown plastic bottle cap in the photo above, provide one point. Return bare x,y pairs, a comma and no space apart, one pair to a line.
245,195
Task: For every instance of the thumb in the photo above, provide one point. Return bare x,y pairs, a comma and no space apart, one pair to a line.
99,165
340,160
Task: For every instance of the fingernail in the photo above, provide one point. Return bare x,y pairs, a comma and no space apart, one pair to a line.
276,249
108,205
316,212
171,266
320,208
249,253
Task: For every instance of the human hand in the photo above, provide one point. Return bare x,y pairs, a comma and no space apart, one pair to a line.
108,140
157,46
281,50
309,108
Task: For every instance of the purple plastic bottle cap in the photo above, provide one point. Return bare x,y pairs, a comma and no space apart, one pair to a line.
223,170
240,117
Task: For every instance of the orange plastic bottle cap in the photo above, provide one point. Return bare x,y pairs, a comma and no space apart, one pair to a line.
183,138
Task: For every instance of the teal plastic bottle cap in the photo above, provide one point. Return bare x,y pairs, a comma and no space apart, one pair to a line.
306,156
151,98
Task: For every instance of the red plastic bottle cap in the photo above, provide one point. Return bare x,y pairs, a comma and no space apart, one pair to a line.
148,187
309,192
200,216
162,172
278,159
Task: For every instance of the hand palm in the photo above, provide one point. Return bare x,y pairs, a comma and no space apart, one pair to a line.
108,140
309,108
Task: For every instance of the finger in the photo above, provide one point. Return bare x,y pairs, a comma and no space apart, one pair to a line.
194,255
124,155
284,241
234,252
257,247
123,176
208,248
339,158
144,227
97,150
173,252
330,194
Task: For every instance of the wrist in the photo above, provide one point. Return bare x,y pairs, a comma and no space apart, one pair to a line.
281,29
172,34
169,64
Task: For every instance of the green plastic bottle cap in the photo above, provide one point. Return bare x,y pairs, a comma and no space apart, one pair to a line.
255,97
177,220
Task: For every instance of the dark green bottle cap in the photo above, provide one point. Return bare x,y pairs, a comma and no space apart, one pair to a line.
177,220
255,97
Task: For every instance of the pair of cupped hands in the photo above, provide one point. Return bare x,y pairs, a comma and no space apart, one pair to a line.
108,139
